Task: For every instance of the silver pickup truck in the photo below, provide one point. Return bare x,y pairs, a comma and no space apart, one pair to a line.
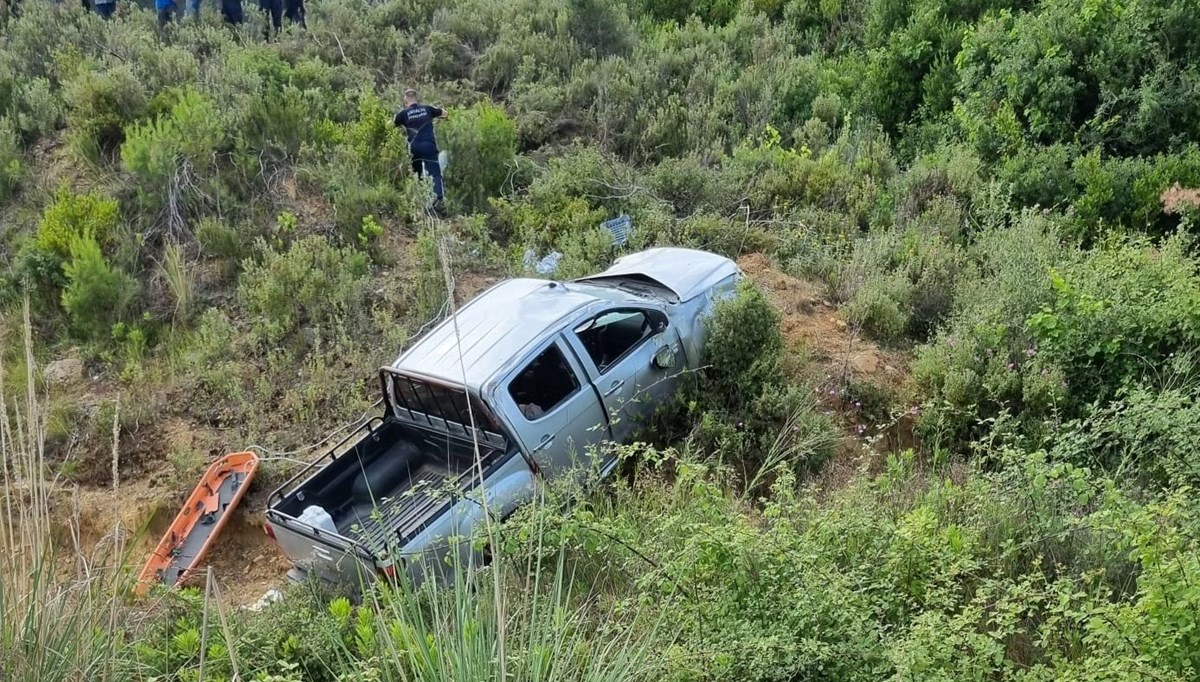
531,378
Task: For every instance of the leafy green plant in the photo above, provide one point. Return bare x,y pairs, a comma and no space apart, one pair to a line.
188,134
97,294
311,285
369,232
11,166
99,104
481,141
72,217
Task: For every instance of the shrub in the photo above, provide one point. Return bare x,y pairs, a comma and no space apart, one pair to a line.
311,285
691,187
1150,434
99,104
37,109
221,241
481,142
1118,314
745,347
742,410
977,366
1040,176
186,136
11,167
73,217
902,282
1125,192
96,294
379,149
948,172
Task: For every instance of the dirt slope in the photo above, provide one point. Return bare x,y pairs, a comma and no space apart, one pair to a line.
814,330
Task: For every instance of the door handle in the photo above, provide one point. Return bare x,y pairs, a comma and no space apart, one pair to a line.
545,442
616,386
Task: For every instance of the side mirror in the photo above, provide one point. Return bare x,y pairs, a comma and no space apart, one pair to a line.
664,358
658,320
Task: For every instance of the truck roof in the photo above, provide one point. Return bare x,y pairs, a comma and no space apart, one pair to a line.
493,330
497,326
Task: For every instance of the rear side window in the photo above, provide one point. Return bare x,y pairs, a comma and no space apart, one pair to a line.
610,336
544,384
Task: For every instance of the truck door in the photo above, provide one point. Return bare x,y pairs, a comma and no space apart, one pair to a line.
625,350
554,409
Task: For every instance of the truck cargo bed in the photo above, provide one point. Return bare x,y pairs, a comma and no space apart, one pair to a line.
389,486
387,521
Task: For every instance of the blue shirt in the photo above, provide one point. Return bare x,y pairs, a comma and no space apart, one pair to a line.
417,121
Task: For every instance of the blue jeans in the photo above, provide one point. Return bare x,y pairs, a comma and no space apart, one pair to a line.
426,158
231,11
293,10
106,9
165,15
274,11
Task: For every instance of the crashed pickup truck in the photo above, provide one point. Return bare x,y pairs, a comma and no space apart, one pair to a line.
530,379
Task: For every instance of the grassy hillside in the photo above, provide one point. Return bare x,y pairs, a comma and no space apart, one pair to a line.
950,433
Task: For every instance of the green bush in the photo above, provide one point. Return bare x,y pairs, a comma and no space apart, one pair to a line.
1118,314
481,142
977,367
96,294
1144,433
11,166
1040,176
903,282
744,346
99,104
691,187
37,109
73,217
222,241
312,285
1126,193
187,136
741,410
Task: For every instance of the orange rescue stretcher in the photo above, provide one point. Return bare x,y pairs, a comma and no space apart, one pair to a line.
196,527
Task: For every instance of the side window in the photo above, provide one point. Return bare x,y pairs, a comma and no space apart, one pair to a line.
610,336
543,384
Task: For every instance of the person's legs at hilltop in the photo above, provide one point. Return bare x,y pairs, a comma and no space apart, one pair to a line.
425,157
274,10
106,9
165,14
293,10
231,11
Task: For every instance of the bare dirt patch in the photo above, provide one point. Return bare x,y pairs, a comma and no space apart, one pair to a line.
1177,199
814,329
856,382
245,562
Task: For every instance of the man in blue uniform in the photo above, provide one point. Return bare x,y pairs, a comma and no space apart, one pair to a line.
417,121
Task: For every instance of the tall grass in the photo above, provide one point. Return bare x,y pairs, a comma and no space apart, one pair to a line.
57,612
546,617
180,281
